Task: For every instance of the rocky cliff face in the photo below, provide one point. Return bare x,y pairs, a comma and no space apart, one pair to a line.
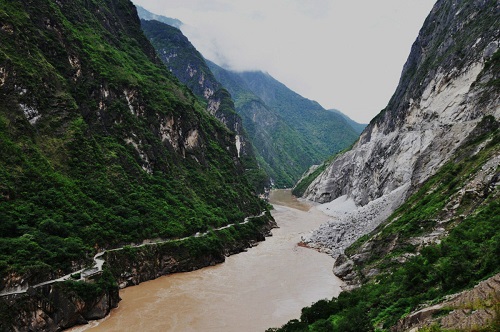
415,204
465,311
448,85
447,98
55,307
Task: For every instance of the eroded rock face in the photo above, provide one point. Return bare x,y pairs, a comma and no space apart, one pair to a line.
54,307
139,264
435,107
445,100
386,159
464,311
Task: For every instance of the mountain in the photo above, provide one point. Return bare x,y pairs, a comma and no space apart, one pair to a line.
440,99
101,147
284,144
358,127
289,132
148,16
416,200
189,66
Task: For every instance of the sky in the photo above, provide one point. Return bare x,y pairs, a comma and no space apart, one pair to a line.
344,54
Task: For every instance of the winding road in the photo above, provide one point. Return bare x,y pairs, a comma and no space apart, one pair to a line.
99,262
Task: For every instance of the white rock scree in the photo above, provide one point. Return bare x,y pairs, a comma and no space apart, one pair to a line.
349,221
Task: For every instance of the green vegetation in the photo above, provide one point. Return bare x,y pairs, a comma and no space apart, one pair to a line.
290,133
187,254
89,291
358,127
493,65
180,56
469,254
93,169
189,66
302,185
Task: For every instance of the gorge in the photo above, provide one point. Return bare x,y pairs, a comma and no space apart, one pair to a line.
117,138
271,281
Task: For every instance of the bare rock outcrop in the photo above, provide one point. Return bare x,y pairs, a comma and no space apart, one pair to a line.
54,307
446,89
463,311
437,104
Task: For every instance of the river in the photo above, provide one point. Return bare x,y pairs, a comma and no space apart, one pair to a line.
251,291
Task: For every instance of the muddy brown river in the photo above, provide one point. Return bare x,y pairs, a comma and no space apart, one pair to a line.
252,291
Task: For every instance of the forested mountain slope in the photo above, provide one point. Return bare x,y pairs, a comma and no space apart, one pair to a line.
287,130
100,147
426,172
189,66
290,132
358,127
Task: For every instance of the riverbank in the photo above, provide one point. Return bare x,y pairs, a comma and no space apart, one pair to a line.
263,287
54,304
349,222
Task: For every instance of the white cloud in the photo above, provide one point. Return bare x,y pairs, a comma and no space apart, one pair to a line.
344,54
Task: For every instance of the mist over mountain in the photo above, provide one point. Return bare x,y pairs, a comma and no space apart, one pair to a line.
148,16
189,66
290,132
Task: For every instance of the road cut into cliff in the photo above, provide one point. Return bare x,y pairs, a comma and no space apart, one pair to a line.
261,288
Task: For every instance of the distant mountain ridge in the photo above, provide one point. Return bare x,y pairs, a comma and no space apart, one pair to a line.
147,15
290,132
358,127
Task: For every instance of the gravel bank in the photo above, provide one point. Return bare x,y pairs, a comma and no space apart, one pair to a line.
349,222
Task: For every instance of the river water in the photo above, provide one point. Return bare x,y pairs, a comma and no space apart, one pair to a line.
251,291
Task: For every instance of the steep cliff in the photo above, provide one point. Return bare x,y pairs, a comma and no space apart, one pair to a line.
58,306
189,66
290,132
100,147
448,85
413,270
